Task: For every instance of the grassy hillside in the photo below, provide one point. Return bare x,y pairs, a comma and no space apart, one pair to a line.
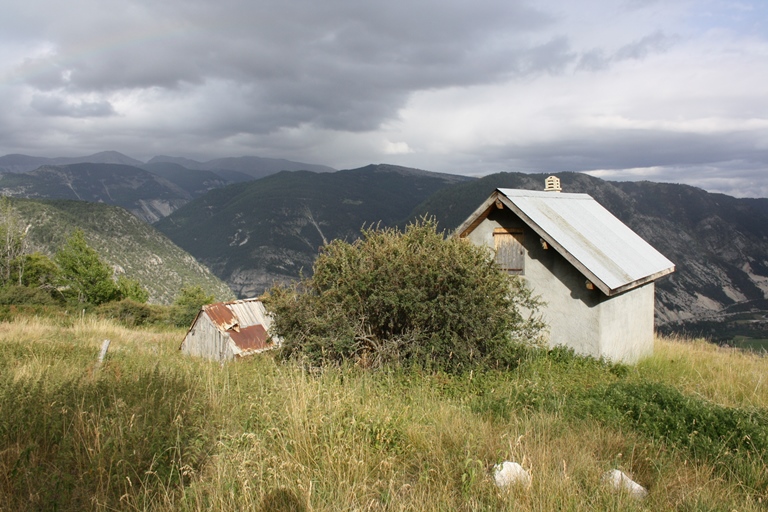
122,240
154,430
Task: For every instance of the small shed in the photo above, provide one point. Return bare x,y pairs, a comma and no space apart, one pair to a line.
595,275
229,330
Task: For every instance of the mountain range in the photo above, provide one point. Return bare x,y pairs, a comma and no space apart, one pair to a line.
269,230
255,222
150,191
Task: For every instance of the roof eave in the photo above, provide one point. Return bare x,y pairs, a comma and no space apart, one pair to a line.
640,282
478,215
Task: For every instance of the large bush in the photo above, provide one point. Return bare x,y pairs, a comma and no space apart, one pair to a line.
412,298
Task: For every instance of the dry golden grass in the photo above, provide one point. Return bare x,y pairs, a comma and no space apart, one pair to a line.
275,437
726,376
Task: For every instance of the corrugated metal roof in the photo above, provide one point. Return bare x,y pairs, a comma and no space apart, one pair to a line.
221,316
250,339
246,322
602,247
584,231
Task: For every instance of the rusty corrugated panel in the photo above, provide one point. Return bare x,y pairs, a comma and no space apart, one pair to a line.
221,316
251,338
248,312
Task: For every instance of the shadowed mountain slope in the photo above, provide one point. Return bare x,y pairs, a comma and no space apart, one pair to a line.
256,233
146,195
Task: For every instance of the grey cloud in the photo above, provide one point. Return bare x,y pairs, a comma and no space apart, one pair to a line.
551,57
337,64
640,4
630,149
657,42
292,78
596,60
593,60
51,105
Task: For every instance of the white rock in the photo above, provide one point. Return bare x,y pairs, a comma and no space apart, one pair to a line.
619,481
508,473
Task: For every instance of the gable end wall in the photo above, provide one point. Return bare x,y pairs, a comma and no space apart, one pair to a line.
205,340
619,328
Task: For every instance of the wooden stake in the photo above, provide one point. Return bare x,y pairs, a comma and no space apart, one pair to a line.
103,353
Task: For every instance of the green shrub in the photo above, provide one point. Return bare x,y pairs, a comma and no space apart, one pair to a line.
187,304
708,430
411,298
21,295
131,289
87,277
133,314
37,270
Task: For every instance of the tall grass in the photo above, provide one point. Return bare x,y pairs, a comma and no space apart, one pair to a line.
727,376
154,430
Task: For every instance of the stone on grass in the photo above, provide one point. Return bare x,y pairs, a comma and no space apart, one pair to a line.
509,473
618,480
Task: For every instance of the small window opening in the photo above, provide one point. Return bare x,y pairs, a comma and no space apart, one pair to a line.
510,254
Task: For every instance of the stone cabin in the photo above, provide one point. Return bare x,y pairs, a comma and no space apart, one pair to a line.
594,273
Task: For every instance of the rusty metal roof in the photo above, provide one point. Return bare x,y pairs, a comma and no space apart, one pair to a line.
602,247
246,322
250,339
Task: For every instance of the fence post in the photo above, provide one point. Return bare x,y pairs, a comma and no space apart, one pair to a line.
102,354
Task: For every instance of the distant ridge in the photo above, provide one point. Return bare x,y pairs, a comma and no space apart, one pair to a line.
146,195
410,171
25,163
150,191
254,166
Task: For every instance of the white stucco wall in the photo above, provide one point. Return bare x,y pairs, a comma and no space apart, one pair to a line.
619,328
626,325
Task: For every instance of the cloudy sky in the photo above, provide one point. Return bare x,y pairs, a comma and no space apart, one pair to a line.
667,90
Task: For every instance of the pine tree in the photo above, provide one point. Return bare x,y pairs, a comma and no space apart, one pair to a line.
88,278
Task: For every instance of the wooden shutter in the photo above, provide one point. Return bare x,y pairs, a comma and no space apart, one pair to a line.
510,254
